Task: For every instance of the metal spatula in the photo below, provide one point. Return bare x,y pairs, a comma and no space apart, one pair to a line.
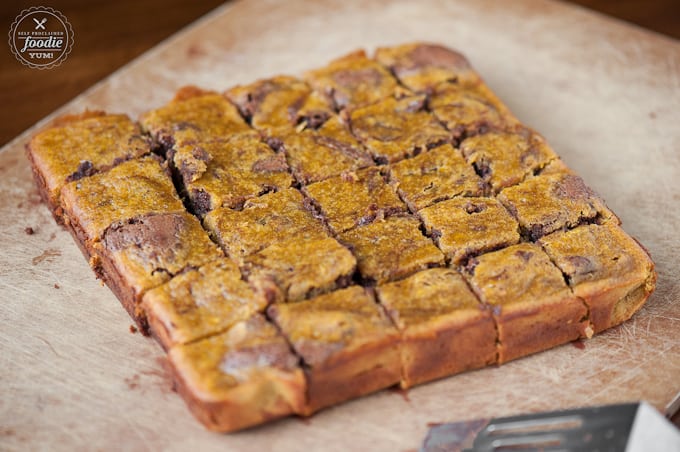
633,427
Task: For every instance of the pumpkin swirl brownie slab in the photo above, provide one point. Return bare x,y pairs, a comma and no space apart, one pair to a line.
381,221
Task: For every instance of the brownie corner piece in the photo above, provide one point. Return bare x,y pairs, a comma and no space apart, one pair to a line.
299,268
466,227
199,303
240,378
393,129
347,344
548,202
533,307
444,328
421,66
606,267
353,80
391,248
77,146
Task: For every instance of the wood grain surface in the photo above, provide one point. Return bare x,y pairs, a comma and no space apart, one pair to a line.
73,377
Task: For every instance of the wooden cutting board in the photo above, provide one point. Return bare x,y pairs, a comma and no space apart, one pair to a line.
605,94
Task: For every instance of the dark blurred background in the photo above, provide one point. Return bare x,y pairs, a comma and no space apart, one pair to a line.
28,95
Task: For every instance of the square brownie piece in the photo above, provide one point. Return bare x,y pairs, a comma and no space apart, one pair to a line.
444,328
549,202
226,172
353,80
422,66
434,176
143,252
299,268
134,188
194,114
354,198
390,249
348,345
469,110
465,227
533,307
263,221
315,155
200,303
78,146
606,267
506,158
393,129
280,104
240,378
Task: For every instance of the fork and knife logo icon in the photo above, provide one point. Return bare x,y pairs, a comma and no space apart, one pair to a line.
40,24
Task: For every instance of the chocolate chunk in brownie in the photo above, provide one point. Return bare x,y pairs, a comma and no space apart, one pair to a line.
264,221
200,303
434,176
506,158
549,202
355,198
353,80
606,268
281,104
193,115
226,172
393,129
422,66
315,155
79,146
299,268
240,378
465,227
347,344
390,249
444,328
533,307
